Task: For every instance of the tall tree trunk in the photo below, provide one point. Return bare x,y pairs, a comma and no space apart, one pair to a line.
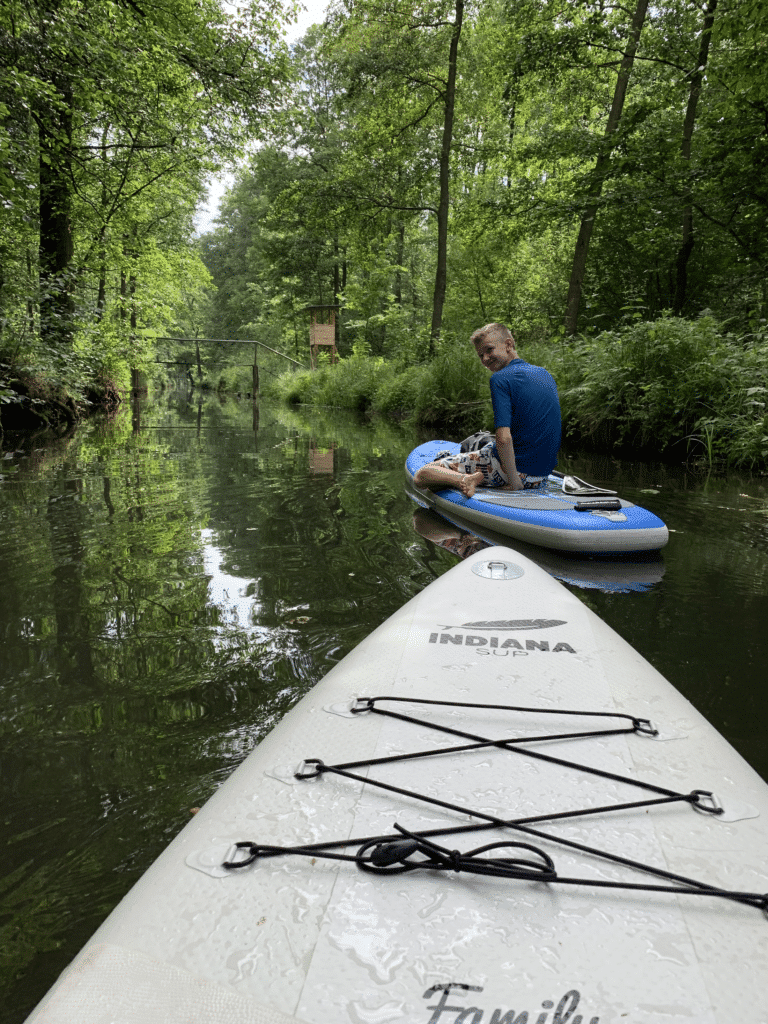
441,272
30,292
56,245
601,166
688,238
399,256
101,299
132,295
510,109
336,288
336,269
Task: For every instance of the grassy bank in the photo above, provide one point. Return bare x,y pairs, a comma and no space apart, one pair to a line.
683,389
680,389
447,392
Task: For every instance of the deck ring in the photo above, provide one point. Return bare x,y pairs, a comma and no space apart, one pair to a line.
361,704
706,802
497,569
310,768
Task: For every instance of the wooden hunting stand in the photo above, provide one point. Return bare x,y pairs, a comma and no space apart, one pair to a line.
322,333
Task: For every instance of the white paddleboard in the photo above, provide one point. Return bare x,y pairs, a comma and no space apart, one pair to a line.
300,937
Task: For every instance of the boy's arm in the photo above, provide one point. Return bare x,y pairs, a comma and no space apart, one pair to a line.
506,452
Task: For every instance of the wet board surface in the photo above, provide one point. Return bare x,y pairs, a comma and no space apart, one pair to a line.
546,517
302,938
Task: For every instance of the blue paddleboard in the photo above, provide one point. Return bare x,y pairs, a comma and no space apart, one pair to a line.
548,517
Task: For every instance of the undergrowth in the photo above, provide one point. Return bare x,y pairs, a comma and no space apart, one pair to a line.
684,388
427,393
681,389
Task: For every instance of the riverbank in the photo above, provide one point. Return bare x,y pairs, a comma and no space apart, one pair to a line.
34,402
680,390
685,391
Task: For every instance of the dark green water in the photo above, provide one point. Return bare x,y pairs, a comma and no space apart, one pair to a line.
174,581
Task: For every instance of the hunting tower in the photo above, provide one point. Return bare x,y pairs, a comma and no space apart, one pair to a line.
322,333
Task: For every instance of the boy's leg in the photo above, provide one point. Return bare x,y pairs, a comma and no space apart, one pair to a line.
436,474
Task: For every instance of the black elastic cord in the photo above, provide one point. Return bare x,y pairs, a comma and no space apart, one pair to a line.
510,745
408,851
390,855
393,857
369,705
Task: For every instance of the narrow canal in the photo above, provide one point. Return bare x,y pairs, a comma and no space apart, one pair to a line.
173,581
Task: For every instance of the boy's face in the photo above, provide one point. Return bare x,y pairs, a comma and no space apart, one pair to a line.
495,355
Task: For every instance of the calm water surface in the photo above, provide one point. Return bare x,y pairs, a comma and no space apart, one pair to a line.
172,582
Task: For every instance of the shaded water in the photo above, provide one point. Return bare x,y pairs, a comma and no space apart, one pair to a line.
174,581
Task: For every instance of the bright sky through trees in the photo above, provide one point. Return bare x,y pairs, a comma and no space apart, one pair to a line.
314,11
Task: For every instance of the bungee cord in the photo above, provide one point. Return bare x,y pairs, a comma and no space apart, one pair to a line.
406,851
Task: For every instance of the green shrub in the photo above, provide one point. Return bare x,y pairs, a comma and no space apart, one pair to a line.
399,395
454,379
233,380
650,382
735,429
686,385
351,383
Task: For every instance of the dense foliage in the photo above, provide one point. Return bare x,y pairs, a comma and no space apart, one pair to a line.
684,389
620,150
433,165
112,112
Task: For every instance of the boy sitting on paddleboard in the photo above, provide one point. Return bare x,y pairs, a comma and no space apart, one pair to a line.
526,413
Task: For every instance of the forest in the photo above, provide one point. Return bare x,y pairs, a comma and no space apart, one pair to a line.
593,174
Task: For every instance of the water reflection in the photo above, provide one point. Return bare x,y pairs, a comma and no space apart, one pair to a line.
235,597
614,576
320,459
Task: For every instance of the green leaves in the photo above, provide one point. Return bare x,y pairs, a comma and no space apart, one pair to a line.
114,112
668,385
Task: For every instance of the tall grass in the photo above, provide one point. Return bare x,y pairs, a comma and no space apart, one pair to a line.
349,384
450,387
678,388
686,388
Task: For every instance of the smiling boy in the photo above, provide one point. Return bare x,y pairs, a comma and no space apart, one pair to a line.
526,411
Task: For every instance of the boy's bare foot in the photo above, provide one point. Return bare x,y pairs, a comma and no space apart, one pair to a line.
469,482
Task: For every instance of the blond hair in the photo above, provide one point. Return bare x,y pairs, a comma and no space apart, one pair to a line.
492,333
